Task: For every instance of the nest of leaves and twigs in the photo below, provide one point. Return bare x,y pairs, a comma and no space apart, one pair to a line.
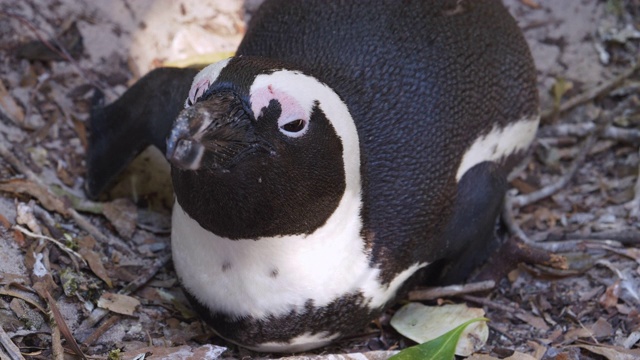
94,279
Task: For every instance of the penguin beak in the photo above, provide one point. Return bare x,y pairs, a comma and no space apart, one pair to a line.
214,133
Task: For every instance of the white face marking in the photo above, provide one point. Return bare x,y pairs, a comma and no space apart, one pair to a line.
305,91
236,276
499,143
291,109
203,80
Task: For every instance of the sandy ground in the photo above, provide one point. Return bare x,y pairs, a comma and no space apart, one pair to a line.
579,43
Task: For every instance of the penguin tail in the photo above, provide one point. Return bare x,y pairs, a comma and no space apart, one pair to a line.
142,116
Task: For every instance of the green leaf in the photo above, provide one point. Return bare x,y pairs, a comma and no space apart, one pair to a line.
440,348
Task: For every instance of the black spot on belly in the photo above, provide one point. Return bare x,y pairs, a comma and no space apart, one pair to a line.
494,149
226,266
274,273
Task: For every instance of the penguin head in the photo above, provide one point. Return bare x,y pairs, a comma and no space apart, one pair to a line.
262,150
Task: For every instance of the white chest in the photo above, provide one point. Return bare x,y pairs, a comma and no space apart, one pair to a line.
273,276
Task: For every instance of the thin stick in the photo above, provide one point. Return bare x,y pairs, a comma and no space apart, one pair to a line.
523,200
56,341
61,51
101,330
59,327
584,129
82,222
138,282
622,237
4,355
99,313
591,94
98,235
11,348
510,220
58,243
5,292
491,304
635,203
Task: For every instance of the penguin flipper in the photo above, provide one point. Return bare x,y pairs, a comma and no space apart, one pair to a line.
142,116
472,231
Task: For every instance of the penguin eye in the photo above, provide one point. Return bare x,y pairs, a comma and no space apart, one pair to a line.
294,127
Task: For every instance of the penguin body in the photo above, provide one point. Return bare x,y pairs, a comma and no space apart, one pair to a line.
346,149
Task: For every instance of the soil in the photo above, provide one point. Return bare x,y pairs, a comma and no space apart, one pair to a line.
581,303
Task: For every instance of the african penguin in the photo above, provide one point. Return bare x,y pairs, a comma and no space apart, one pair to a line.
346,150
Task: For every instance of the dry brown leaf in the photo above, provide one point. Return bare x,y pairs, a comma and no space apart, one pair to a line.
17,235
37,263
533,320
482,357
602,328
613,352
610,297
205,352
516,356
48,200
9,106
7,347
64,175
100,330
523,186
538,349
81,131
531,3
118,303
96,265
576,333
632,253
123,214
62,325
15,294
25,216
5,222
87,242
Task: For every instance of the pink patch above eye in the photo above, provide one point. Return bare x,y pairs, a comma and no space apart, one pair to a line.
291,108
198,89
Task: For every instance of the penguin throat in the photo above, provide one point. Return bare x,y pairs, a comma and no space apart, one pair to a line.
245,203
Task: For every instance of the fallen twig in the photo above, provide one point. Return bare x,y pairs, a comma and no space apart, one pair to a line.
571,245
82,222
60,325
12,350
491,304
584,129
60,50
57,351
5,292
58,243
99,313
590,94
634,204
623,237
101,330
511,202
509,220
448,291
112,241
523,200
